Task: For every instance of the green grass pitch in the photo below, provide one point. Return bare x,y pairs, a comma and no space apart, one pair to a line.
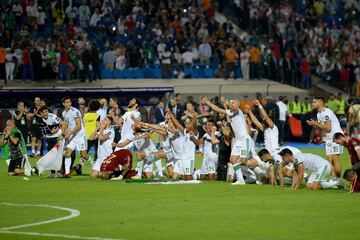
210,210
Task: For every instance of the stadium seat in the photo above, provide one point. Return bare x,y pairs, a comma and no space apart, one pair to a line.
156,72
139,73
118,74
106,74
128,73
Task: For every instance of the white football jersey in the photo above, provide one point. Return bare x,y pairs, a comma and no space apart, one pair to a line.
238,124
189,147
271,139
127,132
311,161
70,118
277,158
176,142
145,144
49,124
210,150
105,148
327,115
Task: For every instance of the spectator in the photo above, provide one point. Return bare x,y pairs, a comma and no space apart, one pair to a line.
10,60
109,59
95,18
120,60
63,63
36,59
231,56
187,59
166,71
160,112
305,73
2,62
84,14
254,62
27,65
205,52
244,62
95,60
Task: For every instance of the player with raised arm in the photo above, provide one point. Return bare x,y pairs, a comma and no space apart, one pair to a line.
329,123
271,132
210,141
318,168
241,147
188,133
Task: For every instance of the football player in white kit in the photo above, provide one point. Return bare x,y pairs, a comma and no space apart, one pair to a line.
146,150
210,141
271,132
166,150
188,146
75,134
105,135
329,123
318,168
241,147
126,122
278,172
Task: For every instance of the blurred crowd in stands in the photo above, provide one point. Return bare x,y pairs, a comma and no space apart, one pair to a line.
288,41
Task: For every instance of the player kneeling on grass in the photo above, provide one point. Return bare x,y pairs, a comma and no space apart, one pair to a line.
210,141
278,172
116,166
318,168
16,145
352,175
146,154
105,135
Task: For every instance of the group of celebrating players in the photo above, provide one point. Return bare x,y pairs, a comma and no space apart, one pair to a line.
228,146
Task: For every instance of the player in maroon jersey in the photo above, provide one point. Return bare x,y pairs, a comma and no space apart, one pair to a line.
353,176
352,144
119,162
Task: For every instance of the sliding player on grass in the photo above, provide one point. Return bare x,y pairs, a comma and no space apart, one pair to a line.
318,168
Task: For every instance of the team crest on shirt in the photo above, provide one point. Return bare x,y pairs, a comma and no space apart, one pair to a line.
327,118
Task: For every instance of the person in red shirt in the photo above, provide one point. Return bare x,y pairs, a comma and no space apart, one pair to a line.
305,74
63,64
352,144
117,162
27,64
352,175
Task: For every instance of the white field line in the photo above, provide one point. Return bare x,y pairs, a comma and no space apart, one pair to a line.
73,213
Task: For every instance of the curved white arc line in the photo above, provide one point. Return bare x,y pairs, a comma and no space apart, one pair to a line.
73,213
56,235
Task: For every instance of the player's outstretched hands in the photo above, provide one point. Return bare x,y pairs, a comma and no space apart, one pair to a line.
213,129
311,122
257,102
204,100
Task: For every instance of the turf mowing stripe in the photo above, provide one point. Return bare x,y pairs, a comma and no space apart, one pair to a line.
73,213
